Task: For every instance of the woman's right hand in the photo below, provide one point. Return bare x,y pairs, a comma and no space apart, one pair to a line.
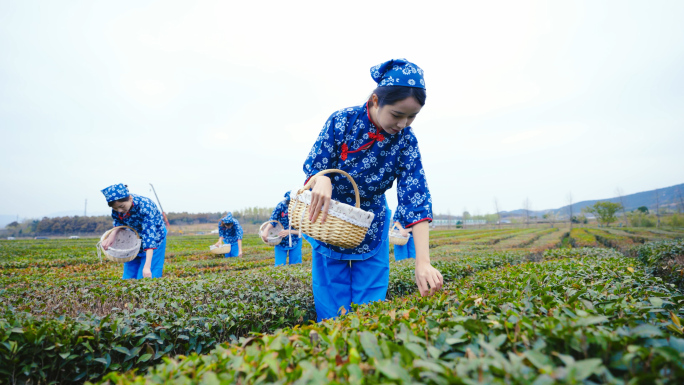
321,193
110,239
264,232
428,279
404,233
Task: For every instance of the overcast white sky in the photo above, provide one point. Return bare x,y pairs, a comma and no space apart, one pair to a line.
217,103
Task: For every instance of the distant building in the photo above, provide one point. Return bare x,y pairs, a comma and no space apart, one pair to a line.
445,222
474,222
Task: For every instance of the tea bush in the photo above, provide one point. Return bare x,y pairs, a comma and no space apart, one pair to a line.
68,317
664,259
572,320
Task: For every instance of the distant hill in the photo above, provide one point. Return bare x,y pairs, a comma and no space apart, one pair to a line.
669,197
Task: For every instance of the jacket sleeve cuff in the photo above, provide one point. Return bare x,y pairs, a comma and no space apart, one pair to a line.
424,219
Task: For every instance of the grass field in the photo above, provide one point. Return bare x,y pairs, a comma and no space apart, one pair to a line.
516,308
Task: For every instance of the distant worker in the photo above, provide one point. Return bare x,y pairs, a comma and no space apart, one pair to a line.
141,214
409,249
291,244
230,232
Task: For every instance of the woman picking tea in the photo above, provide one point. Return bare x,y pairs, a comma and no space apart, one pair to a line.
291,245
376,145
141,214
230,232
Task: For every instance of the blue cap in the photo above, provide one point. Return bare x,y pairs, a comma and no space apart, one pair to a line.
398,72
116,192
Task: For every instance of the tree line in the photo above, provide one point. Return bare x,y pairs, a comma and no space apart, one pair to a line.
81,225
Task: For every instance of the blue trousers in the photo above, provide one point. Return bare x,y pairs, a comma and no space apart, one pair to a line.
406,251
350,282
234,250
295,255
134,269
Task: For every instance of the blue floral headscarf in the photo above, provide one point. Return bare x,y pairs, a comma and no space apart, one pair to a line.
398,72
228,219
116,192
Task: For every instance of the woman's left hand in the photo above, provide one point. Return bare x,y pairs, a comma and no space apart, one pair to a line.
284,233
428,279
147,272
240,253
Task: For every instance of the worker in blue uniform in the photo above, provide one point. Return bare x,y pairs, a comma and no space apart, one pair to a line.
375,144
291,245
230,232
141,214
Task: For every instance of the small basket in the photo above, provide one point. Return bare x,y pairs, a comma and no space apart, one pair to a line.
125,248
346,226
223,249
272,237
396,238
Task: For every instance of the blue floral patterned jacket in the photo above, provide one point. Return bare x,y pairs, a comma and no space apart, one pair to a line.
280,214
351,142
146,219
233,234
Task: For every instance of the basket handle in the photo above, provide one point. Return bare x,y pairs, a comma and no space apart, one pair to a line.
334,170
107,234
265,223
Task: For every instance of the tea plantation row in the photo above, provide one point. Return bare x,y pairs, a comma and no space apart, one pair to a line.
58,326
68,317
582,316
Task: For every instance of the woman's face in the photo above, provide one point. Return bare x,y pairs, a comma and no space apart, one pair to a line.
393,118
123,207
227,225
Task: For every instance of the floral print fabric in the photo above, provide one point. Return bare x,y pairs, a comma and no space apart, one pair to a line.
281,214
375,159
398,72
230,235
115,192
146,219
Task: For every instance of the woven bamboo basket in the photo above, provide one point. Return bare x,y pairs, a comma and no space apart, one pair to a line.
396,238
223,249
125,248
272,237
346,226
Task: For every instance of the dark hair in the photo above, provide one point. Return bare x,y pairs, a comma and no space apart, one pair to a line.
393,94
111,204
